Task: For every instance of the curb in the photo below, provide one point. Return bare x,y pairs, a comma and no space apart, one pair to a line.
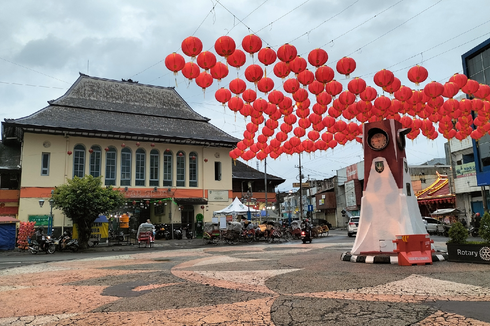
385,259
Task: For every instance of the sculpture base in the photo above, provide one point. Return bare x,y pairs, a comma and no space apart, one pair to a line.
384,258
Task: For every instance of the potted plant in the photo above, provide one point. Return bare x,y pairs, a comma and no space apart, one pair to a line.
461,250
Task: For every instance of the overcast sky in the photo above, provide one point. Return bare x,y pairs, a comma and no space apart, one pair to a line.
45,44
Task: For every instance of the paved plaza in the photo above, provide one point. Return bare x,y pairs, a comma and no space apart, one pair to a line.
259,284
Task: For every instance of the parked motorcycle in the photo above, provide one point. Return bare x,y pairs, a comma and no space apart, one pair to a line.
188,232
49,247
178,234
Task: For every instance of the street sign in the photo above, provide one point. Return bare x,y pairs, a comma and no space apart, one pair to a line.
304,185
310,208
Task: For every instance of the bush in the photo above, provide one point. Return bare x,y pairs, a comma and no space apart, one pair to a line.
484,231
458,233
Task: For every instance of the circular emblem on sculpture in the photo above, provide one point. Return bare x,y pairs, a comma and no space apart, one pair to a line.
46,144
485,253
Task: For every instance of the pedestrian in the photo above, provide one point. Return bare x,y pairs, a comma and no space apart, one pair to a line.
463,221
41,237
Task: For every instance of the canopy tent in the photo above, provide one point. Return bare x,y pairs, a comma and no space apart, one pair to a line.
446,211
236,208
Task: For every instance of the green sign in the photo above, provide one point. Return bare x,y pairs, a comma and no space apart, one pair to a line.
41,220
199,217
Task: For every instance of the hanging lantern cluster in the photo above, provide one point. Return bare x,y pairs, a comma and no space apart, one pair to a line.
313,112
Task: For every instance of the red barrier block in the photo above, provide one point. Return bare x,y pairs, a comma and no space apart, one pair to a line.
413,249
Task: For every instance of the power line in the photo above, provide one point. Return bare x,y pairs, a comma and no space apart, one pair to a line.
38,72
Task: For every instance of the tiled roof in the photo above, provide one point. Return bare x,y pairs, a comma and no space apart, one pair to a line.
114,109
437,190
241,170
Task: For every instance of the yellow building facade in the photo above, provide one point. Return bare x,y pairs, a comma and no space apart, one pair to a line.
171,164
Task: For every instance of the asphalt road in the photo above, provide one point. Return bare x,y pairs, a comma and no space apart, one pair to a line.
189,283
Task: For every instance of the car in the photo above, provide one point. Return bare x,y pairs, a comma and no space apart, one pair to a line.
431,225
352,225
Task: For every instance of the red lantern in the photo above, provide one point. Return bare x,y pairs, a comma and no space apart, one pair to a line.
219,71
383,78
254,73
91,150
324,98
333,88
267,56
224,46
206,60
260,105
290,119
237,86
306,77
281,69
433,89
281,136
417,74
69,152
483,91
276,97
271,109
152,144
235,104
471,87
265,85
246,110
316,87
369,94
346,66
403,94
123,145
315,118
298,65
285,104
174,62
251,43
394,86
300,95
291,85
236,59
317,57
249,95
319,109
303,105
382,103
346,98
191,70
287,53
324,74
222,95
191,46
204,80
299,132
459,79
286,128
106,149
356,86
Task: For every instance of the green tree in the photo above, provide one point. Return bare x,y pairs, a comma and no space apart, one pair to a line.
484,230
83,200
458,233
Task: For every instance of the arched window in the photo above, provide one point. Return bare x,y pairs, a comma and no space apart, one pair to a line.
167,168
110,166
125,167
193,169
180,169
154,165
79,161
95,160
140,167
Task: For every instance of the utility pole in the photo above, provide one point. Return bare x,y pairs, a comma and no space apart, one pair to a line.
300,188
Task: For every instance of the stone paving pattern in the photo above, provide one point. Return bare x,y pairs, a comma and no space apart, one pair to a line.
291,284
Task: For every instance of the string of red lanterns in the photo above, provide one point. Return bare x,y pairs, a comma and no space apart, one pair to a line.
430,111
